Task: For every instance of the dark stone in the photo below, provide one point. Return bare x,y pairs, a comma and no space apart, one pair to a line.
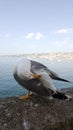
36,113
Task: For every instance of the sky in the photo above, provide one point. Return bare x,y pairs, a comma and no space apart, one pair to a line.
36,26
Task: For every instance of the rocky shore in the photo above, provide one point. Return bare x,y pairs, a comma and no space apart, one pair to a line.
36,113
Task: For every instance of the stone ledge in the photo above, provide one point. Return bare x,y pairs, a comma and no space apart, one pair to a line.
36,113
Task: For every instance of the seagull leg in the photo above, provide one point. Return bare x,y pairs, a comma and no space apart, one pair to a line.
26,96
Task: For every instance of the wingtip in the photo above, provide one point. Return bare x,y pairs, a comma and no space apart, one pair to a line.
61,96
60,79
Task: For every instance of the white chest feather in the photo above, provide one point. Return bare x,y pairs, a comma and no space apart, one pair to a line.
23,69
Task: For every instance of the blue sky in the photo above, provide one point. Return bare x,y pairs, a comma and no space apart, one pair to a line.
36,26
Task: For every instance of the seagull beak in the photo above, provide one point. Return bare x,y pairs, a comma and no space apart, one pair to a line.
37,76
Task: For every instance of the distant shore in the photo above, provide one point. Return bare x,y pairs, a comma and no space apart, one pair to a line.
44,55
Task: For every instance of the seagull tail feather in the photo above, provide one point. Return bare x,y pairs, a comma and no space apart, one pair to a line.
61,96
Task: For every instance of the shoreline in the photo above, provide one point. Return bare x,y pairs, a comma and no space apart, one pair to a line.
44,55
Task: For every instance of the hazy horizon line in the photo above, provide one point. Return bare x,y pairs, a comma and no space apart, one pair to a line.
36,53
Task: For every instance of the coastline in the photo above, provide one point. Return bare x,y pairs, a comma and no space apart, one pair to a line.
44,55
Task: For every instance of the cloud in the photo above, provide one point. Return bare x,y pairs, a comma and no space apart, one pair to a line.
38,36
64,31
29,35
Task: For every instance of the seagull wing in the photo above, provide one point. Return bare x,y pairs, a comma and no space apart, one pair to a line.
45,79
36,66
55,76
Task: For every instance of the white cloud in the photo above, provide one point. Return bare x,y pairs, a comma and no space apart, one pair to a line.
64,31
29,35
38,36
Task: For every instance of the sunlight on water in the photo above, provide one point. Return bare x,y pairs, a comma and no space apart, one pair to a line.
9,87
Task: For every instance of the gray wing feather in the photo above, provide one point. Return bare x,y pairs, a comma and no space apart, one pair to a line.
39,66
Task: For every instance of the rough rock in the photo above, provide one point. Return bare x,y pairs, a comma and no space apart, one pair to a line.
36,113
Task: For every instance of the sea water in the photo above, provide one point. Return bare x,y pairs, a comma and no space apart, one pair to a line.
9,87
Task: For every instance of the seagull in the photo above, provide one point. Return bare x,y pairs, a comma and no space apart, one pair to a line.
37,78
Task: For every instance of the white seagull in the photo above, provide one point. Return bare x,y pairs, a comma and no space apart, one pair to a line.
36,77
